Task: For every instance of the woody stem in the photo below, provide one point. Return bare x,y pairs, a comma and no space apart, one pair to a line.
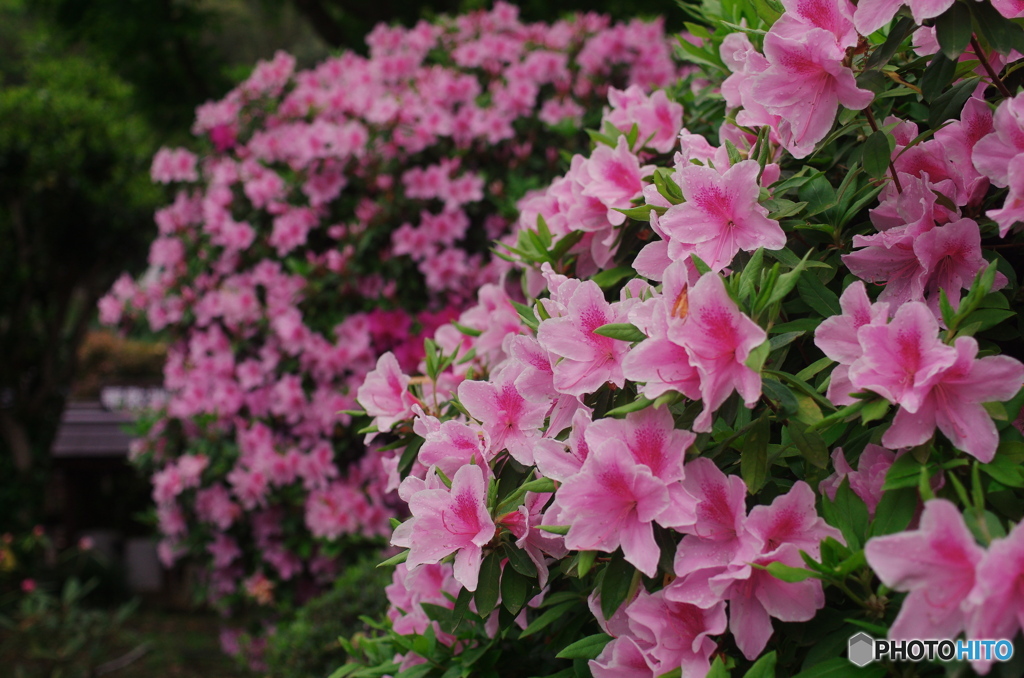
892,167
988,69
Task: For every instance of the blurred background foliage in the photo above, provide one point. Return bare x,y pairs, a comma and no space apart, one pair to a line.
89,89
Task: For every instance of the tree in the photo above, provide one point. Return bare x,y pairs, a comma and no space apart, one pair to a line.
75,208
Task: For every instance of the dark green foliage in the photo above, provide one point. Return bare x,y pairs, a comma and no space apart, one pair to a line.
75,209
308,647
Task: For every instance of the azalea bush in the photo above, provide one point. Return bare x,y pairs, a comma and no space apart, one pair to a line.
329,216
750,386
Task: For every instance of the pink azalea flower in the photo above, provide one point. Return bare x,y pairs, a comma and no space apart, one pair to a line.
995,607
558,463
511,421
994,152
588,360
1012,211
953,402
717,539
449,521
871,15
936,564
867,481
621,658
837,337
719,339
746,64
385,395
804,85
754,601
659,363
612,502
906,358
454,444
791,519
615,178
714,559
655,116
947,257
834,16
676,634
652,439
721,215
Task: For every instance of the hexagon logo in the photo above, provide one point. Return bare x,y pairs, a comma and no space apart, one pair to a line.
861,649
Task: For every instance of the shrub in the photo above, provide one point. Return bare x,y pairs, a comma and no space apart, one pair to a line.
335,214
307,646
704,445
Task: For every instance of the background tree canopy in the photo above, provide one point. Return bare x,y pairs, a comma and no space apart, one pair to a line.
75,207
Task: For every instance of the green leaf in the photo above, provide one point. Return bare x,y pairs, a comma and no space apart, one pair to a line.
814,293
555,529
750,274
895,511
548,616
526,313
442,615
787,573
610,277
585,648
954,30
754,457
780,393
780,209
787,281
984,525
848,513
461,606
987,318
1002,34
765,666
755,360
584,562
819,195
467,330
904,472
897,34
618,577
699,264
1007,467
521,562
874,410
949,104
395,560
642,213
621,331
768,10
784,339
810,444
718,669
945,308
488,585
937,76
565,244
875,154
667,186
515,590
641,403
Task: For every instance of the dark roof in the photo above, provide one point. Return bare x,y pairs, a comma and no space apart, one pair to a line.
87,429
